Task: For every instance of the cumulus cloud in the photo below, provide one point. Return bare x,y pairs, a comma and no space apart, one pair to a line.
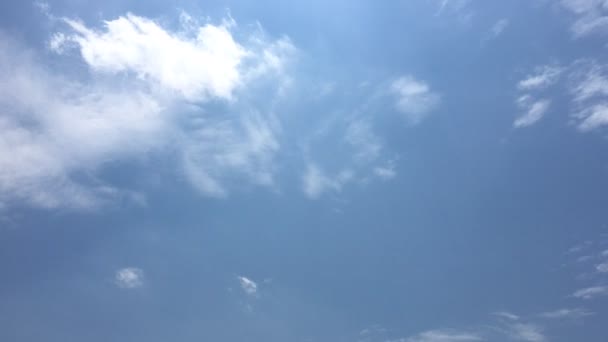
591,292
205,65
129,278
414,98
57,132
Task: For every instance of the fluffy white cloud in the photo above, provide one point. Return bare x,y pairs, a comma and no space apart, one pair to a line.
57,132
129,278
591,292
205,65
415,99
216,151
248,286
51,128
385,172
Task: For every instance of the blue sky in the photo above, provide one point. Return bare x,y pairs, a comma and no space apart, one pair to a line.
356,171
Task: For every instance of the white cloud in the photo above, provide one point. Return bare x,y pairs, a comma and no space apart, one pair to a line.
526,332
414,98
56,133
205,65
567,314
129,278
543,77
248,286
214,151
589,16
533,113
591,292
316,182
444,336
507,315
590,81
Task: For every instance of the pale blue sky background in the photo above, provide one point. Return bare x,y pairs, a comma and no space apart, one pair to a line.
357,171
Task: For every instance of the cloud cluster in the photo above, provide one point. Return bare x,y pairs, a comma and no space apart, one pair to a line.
590,16
531,102
586,84
146,91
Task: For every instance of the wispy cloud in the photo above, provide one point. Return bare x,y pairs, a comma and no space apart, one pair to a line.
443,336
129,278
589,16
533,112
567,314
315,182
542,77
526,332
591,292
248,286
497,29
414,98
143,95
367,145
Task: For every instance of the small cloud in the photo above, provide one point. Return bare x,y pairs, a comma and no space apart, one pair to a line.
415,99
533,113
567,314
129,278
443,336
316,182
248,286
543,77
591,292
507,315
385,172
497,29
602,268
